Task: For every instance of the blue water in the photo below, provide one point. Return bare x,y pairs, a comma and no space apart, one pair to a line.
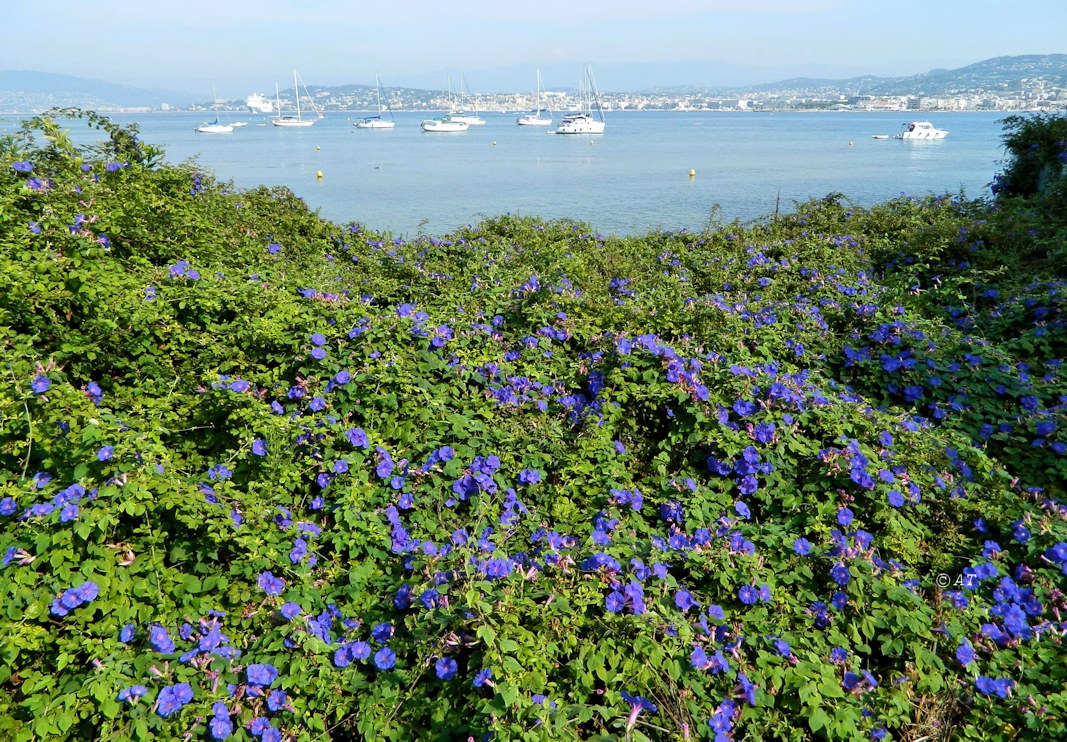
633,179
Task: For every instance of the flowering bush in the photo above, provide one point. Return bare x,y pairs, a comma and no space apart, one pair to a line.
264,475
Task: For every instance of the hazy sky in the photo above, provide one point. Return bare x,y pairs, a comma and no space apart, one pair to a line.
248,45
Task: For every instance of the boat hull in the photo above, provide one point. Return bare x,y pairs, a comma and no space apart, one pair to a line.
438,125
921,130
215,129
293,123
580,125
374,123
533,120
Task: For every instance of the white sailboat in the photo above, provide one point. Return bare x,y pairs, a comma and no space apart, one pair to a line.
444,124
534,117
583,122
376,122
298,120
215,127
459,115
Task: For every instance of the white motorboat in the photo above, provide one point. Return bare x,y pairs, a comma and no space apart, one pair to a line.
534,117
583,122
379,121
921,130
298,119
216,126
444,124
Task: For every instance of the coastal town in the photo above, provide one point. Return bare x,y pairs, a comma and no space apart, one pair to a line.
1037,96
1020,83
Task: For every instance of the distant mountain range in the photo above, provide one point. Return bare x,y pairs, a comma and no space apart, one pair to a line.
996,75
45,90
27,91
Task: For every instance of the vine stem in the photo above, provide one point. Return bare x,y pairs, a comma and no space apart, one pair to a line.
29,422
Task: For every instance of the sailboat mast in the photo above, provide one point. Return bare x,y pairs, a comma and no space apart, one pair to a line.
296,92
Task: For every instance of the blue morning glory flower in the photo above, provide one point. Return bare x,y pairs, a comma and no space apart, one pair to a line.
262,675
385,658
172,698
41,384
840,574
277,701
965,653
131,694
802,546
446,668
259,447
270,584
483,677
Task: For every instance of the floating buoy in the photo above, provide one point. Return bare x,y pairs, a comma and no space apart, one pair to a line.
849,142
318,174
317,147
692,173
494,143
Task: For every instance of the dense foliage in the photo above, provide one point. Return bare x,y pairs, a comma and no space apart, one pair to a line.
266,476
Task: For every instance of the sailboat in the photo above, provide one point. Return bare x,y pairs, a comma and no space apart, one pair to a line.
446,123
534,117
376,122
458,114
297,120
216,126
584,122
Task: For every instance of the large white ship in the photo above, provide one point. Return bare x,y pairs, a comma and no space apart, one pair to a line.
258,104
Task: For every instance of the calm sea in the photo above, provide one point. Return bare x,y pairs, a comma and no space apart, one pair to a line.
633,179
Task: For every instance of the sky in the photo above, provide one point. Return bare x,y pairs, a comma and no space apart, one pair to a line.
245,46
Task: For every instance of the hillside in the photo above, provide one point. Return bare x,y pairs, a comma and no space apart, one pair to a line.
991,75
265,475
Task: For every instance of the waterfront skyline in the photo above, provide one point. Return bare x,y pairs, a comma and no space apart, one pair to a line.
242,46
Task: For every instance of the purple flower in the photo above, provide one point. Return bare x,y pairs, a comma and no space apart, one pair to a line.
385,658
382,633
748,595
529,476
160,640
270,584
262,675
802,546
446,668
840,574
276,701
684,600
844,516
220,725
965,653
483,677
259,447
637,705
41,384
131,694
172,698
